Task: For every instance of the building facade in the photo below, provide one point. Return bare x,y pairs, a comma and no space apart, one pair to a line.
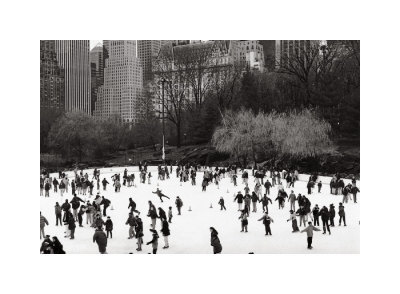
51,78
97,72
73,58
147,51
252,54
120,96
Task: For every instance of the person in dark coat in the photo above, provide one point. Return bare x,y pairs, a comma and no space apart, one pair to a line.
161,214
215,242
267,186
46,242
67,216
239,197
165,231
221,202
342,214
101,239
65,207
315,212
81,212
57,246
58,211
160,194
332,214
319,186
267,220
254,200
243,216
105,183
132,206
109,227
179,204
324,213
55,184
106,203
264,202
139,233
71,227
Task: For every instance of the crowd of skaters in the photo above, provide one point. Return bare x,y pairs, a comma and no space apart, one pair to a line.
263,177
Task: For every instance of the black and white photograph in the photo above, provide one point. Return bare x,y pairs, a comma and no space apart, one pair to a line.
199,146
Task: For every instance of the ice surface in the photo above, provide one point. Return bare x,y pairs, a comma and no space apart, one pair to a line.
190,231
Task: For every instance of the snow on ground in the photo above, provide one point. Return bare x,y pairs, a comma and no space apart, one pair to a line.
190,231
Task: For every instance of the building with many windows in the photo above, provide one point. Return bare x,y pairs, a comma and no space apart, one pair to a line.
147,51
120,96
252,54
73,58
97,72
51,78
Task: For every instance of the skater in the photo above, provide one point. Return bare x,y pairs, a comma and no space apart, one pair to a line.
294,221
301,212
161,214
109,227
170,214
55,184
179,204
106,203
105,183
160,194
154,241
324,213
342,214
264,202
292,199
58,212
267,220
315,213
46,242
244,221
310,231
239,197
43,223
332,214
319,186
354,191
153,215
222,203
101,239
132,206
267,186
139,233
75,203
82,210
131,221
71,227
215,242
148,178
254,200
165,231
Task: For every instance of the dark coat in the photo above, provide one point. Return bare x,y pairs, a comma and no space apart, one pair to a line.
101,239
109,225
165,228
239,198
215,243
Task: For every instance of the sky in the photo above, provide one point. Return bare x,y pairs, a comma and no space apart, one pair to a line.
94,43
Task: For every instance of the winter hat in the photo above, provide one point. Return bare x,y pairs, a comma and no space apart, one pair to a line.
108,217
291,211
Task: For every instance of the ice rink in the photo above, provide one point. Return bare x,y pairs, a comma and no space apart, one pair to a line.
190,231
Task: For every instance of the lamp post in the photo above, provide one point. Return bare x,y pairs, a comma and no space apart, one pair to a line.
163,81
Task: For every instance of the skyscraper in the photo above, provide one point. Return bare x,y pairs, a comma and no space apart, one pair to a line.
97,72
51,78
252,54
120,96
73,58
147,52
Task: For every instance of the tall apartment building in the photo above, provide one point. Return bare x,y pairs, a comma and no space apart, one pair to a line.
269,47
120,96
73,58
97,72
147,53
252,54
51,78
